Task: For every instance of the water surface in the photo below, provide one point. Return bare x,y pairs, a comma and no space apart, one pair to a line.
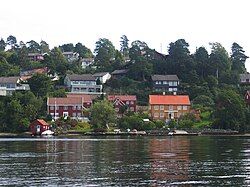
126,161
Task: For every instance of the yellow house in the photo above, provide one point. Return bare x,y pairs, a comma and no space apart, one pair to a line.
166,107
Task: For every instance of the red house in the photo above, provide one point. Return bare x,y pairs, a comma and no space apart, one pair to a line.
119,101
87,99
247,97
38,126
65,107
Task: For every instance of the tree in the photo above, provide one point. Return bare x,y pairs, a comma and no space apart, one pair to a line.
202,59
83,51
124,45
138,50
238,58
102,114
44,47
40,85
105,53
230,111
59,61
219,59
2,45
67,47
11,41
181,62
33,46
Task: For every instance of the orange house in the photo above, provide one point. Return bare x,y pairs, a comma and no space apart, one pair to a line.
167,107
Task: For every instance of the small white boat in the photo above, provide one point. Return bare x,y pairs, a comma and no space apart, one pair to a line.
47,133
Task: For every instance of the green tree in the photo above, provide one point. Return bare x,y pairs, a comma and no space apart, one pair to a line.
102,114
33,46
67,47
40,85
44,47
105,54
11,41
238,58
230,111
202,61
58,61
219,59
124,45
83,51
2,45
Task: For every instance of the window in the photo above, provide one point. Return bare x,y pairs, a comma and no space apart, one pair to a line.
156,107
170,107
179,107
74,114
165,82
175,83
74,107
127,102
65,108
156,115
184,107
161,115
171,83
79,107
131,102
51,108
170,89
162,107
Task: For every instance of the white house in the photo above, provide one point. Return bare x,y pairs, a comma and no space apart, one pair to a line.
85,62
102,76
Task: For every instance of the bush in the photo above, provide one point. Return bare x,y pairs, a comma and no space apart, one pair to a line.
185,124
82,126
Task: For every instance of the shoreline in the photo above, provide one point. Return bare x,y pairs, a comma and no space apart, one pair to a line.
72,134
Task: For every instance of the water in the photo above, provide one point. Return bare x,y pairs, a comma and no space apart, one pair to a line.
126,161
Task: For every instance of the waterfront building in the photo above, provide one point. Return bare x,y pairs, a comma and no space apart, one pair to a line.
38,126
167,107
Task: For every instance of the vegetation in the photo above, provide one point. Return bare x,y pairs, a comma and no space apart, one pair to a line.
210,79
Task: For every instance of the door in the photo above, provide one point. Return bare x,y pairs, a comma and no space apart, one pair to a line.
38,129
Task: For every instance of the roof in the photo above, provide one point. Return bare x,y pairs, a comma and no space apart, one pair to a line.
9,79
165,78
41,121
122,97
169,100
83,77
100,74
34,54
65,101
245,76
86,98
120,71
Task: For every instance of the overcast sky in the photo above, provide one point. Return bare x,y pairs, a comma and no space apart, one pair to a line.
157,22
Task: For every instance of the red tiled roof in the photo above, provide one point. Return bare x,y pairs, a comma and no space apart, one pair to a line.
41,121
122,97
169,99
65,101
86,98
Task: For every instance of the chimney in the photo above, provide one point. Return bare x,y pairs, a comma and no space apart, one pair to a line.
163,93
174,93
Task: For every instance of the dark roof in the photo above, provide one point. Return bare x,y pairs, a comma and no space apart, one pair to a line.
245,76
165,78
100,74
84,77
9,79
120,71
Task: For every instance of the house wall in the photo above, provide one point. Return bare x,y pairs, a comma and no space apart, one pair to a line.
73,111
169,86
163,112
131,105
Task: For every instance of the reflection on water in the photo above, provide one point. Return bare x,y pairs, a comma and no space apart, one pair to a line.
126,161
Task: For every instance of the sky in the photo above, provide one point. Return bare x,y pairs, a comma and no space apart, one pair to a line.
156,22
